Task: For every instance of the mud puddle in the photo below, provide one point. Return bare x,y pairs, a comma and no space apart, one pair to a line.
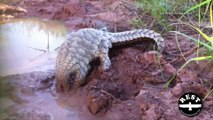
31,96
28,53
23,41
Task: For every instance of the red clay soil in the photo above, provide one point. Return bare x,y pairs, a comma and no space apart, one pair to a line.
133,87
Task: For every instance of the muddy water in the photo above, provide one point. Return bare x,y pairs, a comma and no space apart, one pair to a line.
23,41
28,51
23,100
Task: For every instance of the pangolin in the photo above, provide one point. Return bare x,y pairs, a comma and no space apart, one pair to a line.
83,45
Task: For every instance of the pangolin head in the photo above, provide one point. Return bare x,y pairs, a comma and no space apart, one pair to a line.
67,78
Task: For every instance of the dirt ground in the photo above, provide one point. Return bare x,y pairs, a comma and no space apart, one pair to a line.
133,88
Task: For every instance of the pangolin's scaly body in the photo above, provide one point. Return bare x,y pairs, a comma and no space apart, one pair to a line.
84,45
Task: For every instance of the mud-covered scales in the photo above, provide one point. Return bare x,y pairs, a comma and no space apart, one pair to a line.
84,45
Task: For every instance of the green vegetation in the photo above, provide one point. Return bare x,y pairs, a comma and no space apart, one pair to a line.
208,43
163,10
155,7
209,39
192,13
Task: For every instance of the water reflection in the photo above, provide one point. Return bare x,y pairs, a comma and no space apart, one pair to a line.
22,41
26,46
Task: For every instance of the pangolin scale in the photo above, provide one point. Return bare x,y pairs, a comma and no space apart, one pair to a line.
84,45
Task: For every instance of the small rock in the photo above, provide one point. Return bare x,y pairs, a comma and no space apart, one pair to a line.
177,90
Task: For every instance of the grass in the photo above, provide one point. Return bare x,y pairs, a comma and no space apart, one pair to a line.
208,43
160,9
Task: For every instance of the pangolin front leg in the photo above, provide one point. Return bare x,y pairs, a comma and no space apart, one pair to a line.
103,56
